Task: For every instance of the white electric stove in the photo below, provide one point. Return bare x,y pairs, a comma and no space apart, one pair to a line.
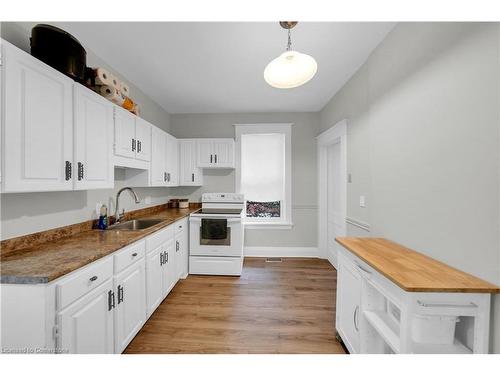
216,235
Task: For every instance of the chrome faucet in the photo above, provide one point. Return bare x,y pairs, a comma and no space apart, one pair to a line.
117,212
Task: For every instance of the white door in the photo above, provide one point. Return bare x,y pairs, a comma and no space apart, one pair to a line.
158,157
189,173
348,306
125,143
143,138
172,161
335,220
224,153
93,130
154,282
181,253
205,153
86,326
38,124
169,275
130,312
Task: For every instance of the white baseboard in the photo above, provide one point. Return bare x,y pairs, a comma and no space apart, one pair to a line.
331,257
285,252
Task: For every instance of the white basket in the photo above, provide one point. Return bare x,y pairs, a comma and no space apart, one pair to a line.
434,329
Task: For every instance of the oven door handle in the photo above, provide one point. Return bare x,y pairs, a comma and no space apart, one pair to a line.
229,219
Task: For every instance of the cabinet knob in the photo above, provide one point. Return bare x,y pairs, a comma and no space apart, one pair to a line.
134,254
93,278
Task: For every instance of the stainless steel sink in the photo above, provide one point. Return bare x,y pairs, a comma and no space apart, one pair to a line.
138,224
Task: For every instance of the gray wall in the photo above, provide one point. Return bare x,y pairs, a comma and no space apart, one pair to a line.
423,143
31,212
304,192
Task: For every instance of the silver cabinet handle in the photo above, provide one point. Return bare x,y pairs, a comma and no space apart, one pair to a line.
211,156
93,278
176,246
165,256
67,170
192,177
111,300
431,304
215,158
363,269
161,259
133,144
164,176
120,294
80,171
355,318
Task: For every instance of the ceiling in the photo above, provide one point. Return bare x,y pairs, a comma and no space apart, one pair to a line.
217,67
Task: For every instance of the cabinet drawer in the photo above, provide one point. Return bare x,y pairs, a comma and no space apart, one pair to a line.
83,281
129,255
181,225
160,237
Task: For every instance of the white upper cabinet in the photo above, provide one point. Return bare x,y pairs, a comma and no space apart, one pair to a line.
143,139
172,163
93,146
132,140
125,143
37,124
216,153
189,173
158,171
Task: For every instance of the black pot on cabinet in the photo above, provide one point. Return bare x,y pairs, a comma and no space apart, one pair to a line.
60,50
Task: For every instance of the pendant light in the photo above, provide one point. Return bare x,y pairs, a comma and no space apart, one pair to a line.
290,69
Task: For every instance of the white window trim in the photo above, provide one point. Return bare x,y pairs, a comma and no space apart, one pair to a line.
282,128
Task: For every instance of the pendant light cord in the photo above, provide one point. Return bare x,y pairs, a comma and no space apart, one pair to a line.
289,45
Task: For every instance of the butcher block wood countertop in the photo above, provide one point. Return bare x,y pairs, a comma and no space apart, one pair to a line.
411,270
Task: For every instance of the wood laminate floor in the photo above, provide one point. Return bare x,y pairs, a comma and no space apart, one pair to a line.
286,307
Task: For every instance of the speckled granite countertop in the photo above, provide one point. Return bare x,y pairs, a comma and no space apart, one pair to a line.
50,260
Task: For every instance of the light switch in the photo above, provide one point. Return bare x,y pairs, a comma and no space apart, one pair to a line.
362,201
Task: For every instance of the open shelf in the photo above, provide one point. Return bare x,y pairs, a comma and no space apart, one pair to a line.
456,348
386,327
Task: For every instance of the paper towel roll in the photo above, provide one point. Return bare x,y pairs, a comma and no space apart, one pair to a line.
111,93
124,89
103,77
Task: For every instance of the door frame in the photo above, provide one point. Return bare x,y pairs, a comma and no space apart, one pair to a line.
336,134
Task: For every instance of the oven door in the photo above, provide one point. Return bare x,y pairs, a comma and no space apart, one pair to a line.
215,236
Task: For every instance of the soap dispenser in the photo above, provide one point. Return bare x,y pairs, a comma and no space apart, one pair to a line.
103,218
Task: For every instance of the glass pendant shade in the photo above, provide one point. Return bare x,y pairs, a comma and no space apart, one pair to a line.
290,69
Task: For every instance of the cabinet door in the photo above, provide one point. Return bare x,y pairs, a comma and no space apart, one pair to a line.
93,129
181,254
169,275
125,143
130,312
143,138
158,157
189,173
37,126
172,161
86,326
205,153
224,153
348,305
154,282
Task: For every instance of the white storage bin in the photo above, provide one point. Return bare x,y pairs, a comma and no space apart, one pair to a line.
434,329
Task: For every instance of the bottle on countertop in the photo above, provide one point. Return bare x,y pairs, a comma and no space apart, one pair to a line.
103,218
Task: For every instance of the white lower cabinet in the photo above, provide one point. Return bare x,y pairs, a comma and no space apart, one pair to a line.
100,307
181,249
348,305
130,311
376,316
86,326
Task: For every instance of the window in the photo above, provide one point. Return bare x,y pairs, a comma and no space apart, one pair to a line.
263,173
